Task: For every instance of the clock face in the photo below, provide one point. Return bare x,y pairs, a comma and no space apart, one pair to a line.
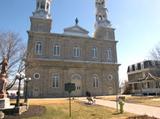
41,13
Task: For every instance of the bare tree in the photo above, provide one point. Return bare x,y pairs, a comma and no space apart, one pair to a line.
155,55
126,87
12,46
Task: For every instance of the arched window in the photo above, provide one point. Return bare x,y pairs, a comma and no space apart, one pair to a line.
42,5
37,5
109,55
76,77
103,16
94,52
38,48
56,50
95,81
76,52
55,82
47,6
100,18
102,2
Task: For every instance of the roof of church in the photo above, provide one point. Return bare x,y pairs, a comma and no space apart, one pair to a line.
76,30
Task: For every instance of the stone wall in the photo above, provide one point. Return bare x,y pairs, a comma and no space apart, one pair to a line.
43,85
67,43
66,65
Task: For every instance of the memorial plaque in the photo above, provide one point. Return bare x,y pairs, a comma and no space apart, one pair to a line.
4,103
70,87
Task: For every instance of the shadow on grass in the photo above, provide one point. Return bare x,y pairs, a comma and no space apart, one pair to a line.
34,110
142,117
93,115
86,103
116,113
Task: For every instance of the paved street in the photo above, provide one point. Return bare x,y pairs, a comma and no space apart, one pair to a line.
132,108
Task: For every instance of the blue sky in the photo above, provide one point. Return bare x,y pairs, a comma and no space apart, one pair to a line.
137,23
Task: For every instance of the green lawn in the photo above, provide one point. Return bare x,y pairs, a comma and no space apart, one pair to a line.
58,109
145,100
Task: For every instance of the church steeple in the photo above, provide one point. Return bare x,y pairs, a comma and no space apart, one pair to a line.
103,29
42,9
101,15
41,20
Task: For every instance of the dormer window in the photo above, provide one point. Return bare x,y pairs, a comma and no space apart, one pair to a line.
133,67
128,70
147,64
139,66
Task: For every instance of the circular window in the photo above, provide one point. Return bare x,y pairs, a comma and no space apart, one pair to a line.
36,76
110,77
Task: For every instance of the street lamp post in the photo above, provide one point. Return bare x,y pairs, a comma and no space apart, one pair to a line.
26,89
19,76
117,90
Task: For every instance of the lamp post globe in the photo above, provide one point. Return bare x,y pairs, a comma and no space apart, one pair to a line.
29,79
22,75
19,76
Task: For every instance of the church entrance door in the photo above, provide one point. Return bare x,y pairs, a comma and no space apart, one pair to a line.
78,84
110,91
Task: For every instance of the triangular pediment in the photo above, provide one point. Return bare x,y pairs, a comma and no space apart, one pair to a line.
76,28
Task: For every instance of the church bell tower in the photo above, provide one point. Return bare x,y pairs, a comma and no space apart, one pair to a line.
41,19
101,15
103,28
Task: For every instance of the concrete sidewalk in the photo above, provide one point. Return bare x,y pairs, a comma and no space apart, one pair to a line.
132,108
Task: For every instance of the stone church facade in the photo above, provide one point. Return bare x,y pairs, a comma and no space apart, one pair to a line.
73,56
